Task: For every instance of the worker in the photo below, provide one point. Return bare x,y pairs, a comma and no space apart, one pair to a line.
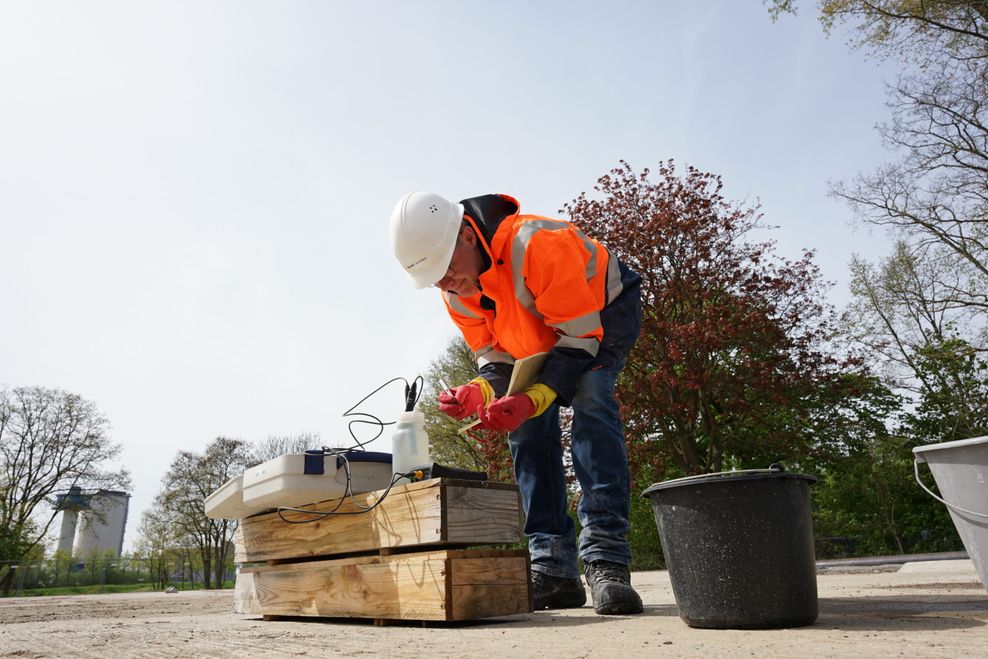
517,285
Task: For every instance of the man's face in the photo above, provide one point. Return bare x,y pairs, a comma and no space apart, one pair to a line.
464,267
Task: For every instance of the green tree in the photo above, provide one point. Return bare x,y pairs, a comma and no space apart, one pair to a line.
855,497
50,440
866,491
954,401
871,499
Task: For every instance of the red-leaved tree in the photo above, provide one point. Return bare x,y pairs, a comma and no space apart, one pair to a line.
732,364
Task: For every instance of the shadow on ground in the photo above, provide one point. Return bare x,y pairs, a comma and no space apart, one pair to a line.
940,612
889,613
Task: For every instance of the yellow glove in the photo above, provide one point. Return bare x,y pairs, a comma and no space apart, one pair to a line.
542,395
485,388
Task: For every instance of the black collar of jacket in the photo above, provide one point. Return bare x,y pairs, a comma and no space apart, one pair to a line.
488,211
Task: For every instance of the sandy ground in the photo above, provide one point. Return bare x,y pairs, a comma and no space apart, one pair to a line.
930,609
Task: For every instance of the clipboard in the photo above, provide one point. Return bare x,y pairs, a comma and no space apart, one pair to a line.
523,376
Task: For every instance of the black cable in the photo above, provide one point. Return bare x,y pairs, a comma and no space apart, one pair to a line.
411,400
413,392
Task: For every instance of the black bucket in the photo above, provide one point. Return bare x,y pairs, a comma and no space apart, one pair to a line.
739,548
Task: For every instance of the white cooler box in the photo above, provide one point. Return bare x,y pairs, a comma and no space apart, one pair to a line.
283,481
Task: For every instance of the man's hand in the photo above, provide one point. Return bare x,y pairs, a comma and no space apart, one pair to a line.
461,402
508,413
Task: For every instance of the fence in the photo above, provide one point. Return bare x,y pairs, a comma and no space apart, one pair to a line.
178,571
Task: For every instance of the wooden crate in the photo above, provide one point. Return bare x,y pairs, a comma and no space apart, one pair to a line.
439,585
403,560
434,512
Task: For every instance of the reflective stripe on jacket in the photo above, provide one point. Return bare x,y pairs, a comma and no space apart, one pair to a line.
544,290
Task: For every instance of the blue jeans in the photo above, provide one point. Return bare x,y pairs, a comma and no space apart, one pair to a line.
601,464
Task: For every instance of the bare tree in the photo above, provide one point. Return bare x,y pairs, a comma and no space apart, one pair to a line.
50,440
190,479
905,303
155,544
935,198
275,446
928,301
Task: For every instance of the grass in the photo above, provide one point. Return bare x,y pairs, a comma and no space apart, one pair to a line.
105,589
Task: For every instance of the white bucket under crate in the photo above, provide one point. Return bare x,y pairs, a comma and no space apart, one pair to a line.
960,470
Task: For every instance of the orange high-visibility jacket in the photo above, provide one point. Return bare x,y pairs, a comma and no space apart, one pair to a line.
547,287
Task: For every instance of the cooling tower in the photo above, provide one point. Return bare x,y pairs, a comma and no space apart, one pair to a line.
101,525
70,504
66,535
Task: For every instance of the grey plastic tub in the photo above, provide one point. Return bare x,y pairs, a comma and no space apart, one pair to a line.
960,470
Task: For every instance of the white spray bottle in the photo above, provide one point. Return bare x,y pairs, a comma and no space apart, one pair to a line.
410,443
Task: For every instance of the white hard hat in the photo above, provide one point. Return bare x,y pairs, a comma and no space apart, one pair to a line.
424,227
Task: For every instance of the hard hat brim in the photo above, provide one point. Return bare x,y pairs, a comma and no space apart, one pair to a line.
426,278
431,275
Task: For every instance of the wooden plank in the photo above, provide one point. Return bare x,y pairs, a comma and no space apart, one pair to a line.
432,512
499,569
489,601
431,585
484,587
401,589
477,516
408,516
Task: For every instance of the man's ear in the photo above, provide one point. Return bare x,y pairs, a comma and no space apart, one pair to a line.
468,236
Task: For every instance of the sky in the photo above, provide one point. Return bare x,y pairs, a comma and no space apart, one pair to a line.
194,195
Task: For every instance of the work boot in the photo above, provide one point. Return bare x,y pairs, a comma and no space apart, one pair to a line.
610,585
557,592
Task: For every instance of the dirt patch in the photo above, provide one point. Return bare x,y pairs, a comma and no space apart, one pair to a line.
879,614
120,606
